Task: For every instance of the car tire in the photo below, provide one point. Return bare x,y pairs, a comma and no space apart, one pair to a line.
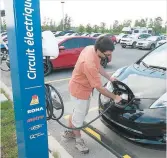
104,62
134,45
152,46
123,46
47,68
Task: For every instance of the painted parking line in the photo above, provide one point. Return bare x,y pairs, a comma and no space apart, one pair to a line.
66,79
107,142
90,110
126,156
59,80
92,132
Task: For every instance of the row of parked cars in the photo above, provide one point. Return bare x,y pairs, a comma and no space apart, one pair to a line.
84,34
142,41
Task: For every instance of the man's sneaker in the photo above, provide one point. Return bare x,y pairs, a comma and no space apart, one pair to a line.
68,134
80,145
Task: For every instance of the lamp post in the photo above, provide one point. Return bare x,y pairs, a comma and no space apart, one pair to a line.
62,2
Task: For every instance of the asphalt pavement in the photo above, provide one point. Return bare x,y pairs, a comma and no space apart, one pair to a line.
60,78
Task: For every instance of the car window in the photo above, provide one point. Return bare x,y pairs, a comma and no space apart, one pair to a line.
157,57
146,35
83,42
71,43
136,31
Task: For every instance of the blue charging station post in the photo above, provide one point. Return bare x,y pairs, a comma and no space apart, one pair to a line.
26,61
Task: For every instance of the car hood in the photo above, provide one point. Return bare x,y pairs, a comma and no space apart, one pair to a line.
144,83
145,41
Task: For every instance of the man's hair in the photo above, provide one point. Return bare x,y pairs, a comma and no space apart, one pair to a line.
104,44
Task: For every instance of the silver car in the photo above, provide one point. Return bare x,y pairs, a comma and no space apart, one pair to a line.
148,43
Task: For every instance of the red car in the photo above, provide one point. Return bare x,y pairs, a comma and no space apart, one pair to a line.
112,37
69,51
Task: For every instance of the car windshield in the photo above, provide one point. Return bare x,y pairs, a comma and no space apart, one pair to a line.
157,57
125,36
152,38
132,36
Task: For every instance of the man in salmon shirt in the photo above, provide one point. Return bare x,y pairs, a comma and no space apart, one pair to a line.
86,77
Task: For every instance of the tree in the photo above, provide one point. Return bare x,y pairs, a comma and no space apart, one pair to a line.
60,26
52,25
88,28
127,23
95,28
67,22
151,23
102,27
81,28
158,25
143,23
115,25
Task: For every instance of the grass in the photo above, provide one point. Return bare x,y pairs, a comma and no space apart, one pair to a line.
8,132
56,155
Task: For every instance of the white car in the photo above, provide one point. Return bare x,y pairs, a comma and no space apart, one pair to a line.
118,37
85,34
95,34
74,34
132,40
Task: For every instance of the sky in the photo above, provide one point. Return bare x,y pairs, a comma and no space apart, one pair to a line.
94,12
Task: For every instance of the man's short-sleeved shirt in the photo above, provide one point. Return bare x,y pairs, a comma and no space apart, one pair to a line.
85,75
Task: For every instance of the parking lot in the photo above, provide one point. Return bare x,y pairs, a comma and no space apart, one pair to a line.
60,78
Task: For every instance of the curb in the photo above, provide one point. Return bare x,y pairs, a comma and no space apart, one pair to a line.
53,144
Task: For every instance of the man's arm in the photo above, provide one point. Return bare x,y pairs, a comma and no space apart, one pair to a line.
104,74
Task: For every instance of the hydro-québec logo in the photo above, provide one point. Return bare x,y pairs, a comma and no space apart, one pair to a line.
35,110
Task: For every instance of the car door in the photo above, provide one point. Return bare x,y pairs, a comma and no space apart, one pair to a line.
67,56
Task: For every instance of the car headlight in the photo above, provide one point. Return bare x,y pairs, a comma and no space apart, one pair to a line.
160,103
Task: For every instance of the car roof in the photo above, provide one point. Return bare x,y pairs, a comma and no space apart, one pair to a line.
62,38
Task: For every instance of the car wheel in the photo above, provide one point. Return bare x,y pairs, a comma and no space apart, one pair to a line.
123,46
104,62
134,45
47,68
152,46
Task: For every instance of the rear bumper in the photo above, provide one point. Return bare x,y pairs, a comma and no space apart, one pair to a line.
126,43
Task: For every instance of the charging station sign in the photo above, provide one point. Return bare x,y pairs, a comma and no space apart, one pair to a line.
27,74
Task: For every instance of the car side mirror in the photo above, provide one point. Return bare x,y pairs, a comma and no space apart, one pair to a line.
61,48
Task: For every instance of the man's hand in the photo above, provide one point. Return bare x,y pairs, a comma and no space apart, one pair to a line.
117,99
113,79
